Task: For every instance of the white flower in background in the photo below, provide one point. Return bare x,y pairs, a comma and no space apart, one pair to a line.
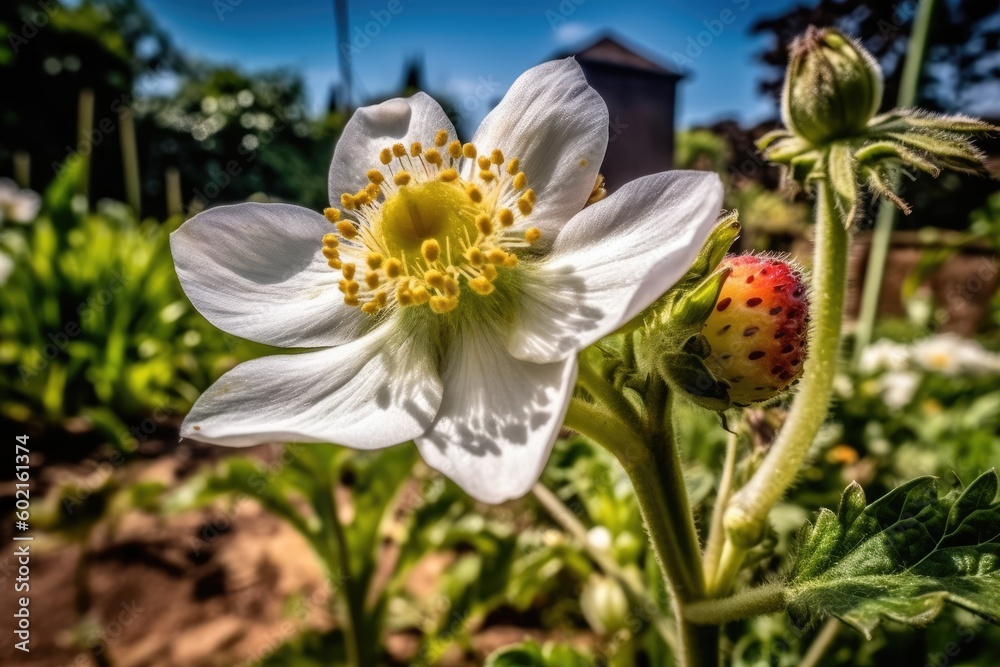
951,354
600,537
456,290
898,388
885,355
17,205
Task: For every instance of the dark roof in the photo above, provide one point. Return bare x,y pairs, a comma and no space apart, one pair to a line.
609,50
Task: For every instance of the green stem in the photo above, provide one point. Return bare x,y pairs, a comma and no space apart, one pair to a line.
881,236
821,643
746,516
565,518
765,599
717,533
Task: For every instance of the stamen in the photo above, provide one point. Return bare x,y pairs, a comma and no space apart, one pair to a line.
496,157
532,235
481,285
506,217
347,229
399,150
416,149
441,138
402,178
385,157
431,250
374,260
520,180
469,151
376,176
332,214
455,149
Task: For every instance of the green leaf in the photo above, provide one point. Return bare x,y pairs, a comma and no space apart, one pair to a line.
844,181
902,557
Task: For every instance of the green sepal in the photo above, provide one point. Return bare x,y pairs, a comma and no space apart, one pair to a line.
688,373
720,239
692,308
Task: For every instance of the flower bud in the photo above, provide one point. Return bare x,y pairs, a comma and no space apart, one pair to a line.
604,605
833,86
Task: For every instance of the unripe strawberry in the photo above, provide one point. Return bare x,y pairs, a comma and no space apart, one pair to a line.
757,330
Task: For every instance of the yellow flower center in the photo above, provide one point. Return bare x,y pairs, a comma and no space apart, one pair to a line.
430,225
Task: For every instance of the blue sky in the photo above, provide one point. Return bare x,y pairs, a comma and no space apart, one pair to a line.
470,47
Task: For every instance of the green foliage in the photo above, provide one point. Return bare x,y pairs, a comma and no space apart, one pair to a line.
902,557
530,654
93,319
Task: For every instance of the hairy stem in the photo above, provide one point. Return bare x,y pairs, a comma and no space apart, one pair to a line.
746,516
758,601
717,533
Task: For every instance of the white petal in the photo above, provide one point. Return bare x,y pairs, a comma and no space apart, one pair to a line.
612,260
399,120
379,390
257,271
557,125
498,419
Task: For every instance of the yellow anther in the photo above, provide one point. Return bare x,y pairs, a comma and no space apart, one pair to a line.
332,214
510,260
475,256
416,149
441,138
496,256
484,224
443,304
347,201
385,157
496,157
399,150
469,151
520,180
487,176
434,278
372,279
420,295
331,240
351,300
475,194
530,195
483,162
362,198
393,267
381,298
455,149
334,263
432,156
524,206
330,253
373,191
401,178
506,217
490,272
376,176
374,260
481,285
349,287
404,297
348,271
533,235
513,166
450,286
346,229
430,249
369,308
448,175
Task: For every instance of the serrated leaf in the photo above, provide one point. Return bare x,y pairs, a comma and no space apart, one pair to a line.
902,557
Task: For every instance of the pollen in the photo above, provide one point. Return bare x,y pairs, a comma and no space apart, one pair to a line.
347,229
430,226
431,250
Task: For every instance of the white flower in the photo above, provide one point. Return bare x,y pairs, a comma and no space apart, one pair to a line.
469,277
600,538
884,355
17,205
898,388
951,354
